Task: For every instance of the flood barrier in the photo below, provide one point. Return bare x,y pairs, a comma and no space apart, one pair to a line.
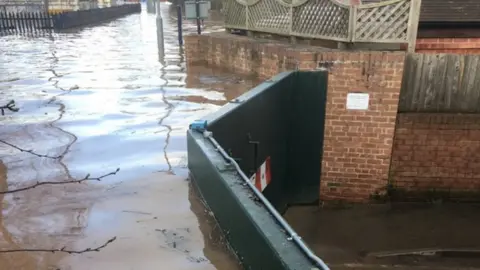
280,121
71,19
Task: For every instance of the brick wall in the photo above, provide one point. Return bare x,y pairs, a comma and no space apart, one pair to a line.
448,45
437,151
247,56
357,144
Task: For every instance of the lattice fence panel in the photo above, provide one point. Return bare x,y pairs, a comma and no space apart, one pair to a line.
269,16
235,15
321,19
387,23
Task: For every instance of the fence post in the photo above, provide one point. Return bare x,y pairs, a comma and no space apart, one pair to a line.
413,18
160,39
179,25
247,19
293,39
197,11
352,23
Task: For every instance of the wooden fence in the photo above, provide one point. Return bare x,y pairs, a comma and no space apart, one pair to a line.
392,21
441,83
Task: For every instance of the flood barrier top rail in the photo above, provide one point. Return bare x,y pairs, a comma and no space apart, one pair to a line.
200,126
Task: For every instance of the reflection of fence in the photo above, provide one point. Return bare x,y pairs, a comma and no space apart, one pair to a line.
393,21
13,22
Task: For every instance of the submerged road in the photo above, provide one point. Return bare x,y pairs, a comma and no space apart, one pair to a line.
92,101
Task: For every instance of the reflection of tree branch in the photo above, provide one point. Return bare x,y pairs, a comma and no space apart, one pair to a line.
86,178
170,108
9,106
64,249
29,151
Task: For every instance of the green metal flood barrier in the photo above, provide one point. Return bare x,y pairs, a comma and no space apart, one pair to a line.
281,120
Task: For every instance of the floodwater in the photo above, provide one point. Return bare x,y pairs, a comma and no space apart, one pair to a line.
91,101
386,236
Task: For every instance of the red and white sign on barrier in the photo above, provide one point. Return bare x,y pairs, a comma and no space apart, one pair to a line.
262,177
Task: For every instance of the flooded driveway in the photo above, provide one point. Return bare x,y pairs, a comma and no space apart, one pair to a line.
91,102
401,236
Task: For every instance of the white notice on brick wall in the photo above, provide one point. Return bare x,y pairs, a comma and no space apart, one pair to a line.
357,101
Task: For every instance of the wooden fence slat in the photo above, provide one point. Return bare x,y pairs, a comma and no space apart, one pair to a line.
469,81
441,83
428,86
457,63
414,80
476,86
440,77
449,80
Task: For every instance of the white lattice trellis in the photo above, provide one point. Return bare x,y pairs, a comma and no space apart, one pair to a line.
270,16
382,23
393,21
321,19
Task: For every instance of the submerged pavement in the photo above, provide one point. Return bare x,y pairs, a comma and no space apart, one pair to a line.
92,101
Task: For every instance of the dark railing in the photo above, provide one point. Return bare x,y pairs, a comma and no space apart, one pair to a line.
25,22
22,22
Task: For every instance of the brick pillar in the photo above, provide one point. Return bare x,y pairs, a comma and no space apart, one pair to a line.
194,49
358,143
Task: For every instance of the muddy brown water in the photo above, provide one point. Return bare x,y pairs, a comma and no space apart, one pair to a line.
92,101
352,238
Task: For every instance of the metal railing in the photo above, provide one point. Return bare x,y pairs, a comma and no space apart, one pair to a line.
58,6
34,21
392,21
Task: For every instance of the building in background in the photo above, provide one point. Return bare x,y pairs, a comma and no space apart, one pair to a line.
447,26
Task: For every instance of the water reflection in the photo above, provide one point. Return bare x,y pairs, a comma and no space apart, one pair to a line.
99,99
